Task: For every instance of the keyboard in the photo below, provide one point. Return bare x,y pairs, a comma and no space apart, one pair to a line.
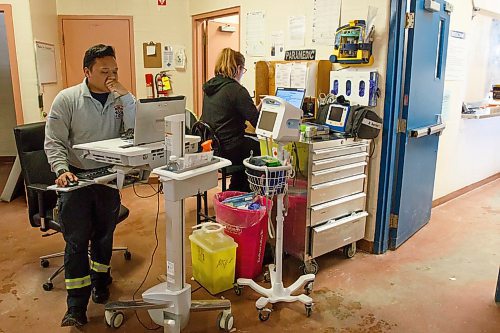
100,174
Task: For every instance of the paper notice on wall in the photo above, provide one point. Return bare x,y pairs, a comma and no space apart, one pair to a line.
456,58
326,19
297,30
277,44
168,58
445,109
282,75
255,34
298,75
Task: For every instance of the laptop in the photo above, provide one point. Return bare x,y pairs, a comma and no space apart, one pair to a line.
150,114
294,96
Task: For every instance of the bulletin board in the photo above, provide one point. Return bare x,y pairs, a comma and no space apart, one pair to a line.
318,78
45,55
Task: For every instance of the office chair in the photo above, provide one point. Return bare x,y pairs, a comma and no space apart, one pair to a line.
41,202
206,132
190,120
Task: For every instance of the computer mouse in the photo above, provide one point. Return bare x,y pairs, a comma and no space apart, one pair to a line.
71,183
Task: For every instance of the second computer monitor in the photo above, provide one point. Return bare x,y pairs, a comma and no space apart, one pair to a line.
150,115
294,96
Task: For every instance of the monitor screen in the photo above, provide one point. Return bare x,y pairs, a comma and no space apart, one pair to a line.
294,96
150,114
267,120
335,113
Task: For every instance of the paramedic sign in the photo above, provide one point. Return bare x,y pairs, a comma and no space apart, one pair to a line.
300,55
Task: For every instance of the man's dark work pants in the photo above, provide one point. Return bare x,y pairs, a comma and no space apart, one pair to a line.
87,214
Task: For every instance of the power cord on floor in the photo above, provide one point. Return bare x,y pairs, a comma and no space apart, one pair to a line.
147,196
160,187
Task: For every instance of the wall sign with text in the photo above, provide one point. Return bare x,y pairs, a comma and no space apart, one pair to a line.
300,55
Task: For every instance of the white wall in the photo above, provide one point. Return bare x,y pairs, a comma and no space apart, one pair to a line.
277,13
468,148
168,25
21,16
45,29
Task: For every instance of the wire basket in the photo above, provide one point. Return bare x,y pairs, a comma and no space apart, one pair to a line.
267,181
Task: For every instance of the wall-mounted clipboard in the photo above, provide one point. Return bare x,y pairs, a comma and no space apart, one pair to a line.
153,60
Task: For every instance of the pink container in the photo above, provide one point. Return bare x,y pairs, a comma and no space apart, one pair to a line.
248,228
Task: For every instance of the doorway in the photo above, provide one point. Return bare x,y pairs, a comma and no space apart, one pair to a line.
117,31
212,32
10,95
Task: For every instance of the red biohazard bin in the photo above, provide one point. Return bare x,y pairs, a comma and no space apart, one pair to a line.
248,228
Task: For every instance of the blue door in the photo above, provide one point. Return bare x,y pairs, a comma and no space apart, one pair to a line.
419,121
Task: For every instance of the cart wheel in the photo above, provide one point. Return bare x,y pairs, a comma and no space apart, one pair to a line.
225,320
114,319
237,289
264,314
48,286
128,255
267,276
308,310
310,267
44,263
349,250
309,287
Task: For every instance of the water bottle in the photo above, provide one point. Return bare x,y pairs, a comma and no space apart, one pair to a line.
173,164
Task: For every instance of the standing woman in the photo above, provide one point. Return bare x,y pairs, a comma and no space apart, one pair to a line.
226,107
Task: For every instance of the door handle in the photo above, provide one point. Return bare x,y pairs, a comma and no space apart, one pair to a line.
429,130
437,129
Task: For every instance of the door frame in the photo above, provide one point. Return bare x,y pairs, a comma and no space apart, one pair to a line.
392,110
60,19
198,44
14,70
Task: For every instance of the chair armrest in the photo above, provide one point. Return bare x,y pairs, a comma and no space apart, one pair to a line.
40,190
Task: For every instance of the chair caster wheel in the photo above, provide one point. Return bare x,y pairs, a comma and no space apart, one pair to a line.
225,320
308,310
48,286
44,263
114,319
127,255
264,314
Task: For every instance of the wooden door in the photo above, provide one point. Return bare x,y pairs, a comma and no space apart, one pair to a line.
81,32
218,40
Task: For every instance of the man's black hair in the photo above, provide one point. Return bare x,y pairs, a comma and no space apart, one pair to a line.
97,51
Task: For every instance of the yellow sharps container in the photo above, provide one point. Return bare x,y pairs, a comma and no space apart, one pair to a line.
213,255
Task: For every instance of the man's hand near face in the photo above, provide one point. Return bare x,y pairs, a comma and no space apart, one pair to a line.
114,86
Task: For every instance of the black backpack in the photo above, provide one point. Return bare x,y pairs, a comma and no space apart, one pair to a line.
363,123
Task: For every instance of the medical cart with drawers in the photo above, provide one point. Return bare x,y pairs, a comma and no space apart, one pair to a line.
326,203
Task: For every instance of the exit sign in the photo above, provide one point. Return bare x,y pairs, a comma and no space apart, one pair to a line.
162,2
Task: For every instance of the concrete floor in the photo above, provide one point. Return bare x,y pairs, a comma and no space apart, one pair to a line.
442,280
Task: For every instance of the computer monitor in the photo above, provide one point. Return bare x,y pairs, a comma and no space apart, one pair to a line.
278,120
337,116
294,96
150,115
